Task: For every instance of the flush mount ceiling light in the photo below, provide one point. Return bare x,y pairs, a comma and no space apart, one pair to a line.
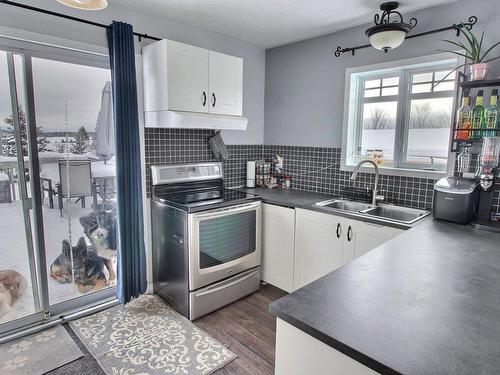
85,4
390,30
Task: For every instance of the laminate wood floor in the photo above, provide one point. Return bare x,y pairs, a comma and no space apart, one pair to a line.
248,329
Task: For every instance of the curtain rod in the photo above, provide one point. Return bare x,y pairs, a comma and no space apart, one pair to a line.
76,19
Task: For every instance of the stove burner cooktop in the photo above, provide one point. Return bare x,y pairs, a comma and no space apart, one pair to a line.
195,187
204,199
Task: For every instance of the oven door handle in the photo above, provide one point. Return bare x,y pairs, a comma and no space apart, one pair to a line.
226,211
225,284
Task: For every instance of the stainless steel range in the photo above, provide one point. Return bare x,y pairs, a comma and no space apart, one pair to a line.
206,239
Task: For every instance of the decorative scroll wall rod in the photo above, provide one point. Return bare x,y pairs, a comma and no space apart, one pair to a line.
457,27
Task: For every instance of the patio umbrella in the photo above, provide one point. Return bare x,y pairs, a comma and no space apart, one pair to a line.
105,128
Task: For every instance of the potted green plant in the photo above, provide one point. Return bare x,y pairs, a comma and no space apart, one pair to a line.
473,51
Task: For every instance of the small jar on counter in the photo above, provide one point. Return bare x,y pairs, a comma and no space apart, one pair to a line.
272,182
378,157
287,183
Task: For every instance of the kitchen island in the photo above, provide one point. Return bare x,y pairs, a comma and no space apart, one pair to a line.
426,302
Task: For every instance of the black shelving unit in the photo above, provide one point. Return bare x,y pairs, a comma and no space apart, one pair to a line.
464,86
481,83
470,142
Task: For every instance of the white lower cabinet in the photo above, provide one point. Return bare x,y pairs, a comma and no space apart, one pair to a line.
348,240
318,245
298,353
324,242
300,246
278,246
369,236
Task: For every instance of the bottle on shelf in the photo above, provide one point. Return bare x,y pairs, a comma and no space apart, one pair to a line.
464,160
464,117
478,116
492,115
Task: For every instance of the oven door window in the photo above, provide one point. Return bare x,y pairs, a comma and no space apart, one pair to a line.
227,238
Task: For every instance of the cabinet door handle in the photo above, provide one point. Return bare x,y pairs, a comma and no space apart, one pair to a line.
338,230
214,99
349,234
204,98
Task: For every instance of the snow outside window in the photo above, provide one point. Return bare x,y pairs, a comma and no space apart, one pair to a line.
400,115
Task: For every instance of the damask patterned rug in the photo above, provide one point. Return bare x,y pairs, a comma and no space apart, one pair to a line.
148,337
38,353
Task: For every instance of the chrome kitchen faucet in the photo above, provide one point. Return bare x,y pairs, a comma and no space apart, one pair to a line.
375,197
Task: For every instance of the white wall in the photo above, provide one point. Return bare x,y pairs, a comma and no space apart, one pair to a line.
305,81
254,57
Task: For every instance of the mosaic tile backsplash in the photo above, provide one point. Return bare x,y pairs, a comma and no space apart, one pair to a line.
174,146
311,168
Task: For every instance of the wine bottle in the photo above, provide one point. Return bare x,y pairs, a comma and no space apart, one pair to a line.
491,115
478,116
464,115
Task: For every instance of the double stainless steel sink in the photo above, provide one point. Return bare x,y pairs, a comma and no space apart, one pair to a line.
383,212
345,205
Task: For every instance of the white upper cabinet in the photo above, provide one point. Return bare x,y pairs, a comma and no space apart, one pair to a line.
187,76
184,82
225,83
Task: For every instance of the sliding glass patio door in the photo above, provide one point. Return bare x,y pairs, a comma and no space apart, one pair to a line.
21,301
57,184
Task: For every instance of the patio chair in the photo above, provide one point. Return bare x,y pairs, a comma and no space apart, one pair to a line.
5,188
47,187
75,181
104,188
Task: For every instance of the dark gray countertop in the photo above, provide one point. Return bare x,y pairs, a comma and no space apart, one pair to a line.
426,302
307,199
288,197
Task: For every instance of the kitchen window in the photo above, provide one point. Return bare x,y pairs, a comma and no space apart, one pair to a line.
398,114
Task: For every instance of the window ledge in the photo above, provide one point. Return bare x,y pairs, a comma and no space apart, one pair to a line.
401,172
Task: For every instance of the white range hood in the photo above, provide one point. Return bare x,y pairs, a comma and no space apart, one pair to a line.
193,120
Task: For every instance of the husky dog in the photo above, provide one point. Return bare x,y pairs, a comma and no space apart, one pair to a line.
88,267
12,286
100,228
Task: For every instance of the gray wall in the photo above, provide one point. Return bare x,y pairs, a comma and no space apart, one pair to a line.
254,57
305,81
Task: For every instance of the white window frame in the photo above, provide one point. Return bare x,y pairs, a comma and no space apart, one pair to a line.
351,113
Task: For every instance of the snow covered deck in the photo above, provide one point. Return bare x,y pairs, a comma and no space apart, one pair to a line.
14,255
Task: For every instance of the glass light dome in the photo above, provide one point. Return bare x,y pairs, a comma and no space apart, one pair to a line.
386,40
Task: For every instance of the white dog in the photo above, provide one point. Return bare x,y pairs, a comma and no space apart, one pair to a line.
12,286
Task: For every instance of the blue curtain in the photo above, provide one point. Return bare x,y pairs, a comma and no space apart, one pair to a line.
131,255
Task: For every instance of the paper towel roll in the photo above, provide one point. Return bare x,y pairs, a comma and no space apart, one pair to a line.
251,174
